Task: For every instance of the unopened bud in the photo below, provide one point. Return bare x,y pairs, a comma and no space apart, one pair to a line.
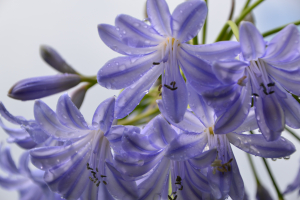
262,193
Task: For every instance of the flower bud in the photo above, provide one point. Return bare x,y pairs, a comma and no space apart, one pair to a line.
38,87
51,57
78,95
262,193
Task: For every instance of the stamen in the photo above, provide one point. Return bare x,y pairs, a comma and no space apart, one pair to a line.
175,197
240,81
271,84
211,131
170,198
156,63
104,182
265,89
271,92
173,83
159,87
254,94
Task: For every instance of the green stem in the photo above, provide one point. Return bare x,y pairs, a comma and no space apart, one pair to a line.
195,40
138,117
232,9
292,133
89,85
90,79
253,169
275,30
205,27
246,5
280,196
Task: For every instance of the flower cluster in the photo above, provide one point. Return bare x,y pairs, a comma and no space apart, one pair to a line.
208,95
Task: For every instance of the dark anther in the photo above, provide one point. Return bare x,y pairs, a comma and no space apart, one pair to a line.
181,188
91,179
178,178
271,92
231,159
156,63
97,169
271,84
104,183
93,172
160,94
265,89
88,166
174,192
173,83
94,175
103,176
178,183
175,197
98,184
159,87
254,94
229,168
170,198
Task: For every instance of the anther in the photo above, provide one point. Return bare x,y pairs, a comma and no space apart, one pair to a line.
254,94
181,188
271,84
265,89
159,87
271,92
173,83
97,169
156,63
178,178
175,197
102,176
170,198
104,182
240,81
98,184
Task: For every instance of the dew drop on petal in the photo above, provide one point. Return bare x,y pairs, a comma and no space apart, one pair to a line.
286,157
274,159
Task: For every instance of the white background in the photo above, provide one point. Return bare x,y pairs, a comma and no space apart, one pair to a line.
71,28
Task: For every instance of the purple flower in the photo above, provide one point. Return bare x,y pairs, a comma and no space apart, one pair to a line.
28,136
145,159
198,135
266,73
78,168
159,49
38,87
294,185
29,184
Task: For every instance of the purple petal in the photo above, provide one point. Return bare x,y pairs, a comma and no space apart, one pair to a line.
229,72
136,33
249,124
258,146
175,101
160,17
198,72
291,109
285,45
237,190
118,188
17,133
52,57
122,72
14,184
252,42
152,187
204,159
111,37
132,95
190,122
159,132
225,50
6,162
288,65
199,107
186,146
39,87
262,193
77,96
235,115
26,143
9,117
187,19
270,116
50,124
294,185
289,79
104,115
190,191
35,132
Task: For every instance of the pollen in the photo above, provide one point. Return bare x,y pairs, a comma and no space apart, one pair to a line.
211,131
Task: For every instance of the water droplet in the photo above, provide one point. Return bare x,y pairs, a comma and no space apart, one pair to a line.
136,24
286,157
274,159
122,67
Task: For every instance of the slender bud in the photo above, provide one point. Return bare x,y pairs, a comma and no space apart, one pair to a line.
38,87
262,193
77,96
51,57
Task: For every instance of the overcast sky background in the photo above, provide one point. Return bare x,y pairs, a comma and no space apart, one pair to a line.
71,28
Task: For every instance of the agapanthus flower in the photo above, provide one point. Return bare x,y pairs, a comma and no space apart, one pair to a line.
28,183
77,168
294,185
146,149
160,49
198,134
28,136
268,72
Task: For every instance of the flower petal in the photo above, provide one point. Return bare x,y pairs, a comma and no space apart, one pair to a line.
197,71
111,37
175,101
249,124
294,185
204,113
132,95
237,190
104,115
152,187
236,114
225,50
289,79
187,19
136,33
160,17
229,72
285,45
258,146
190,122
17,133
122,72
252,42
204,159
6,162
288,65
186,145
221,180
50,124
269,115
